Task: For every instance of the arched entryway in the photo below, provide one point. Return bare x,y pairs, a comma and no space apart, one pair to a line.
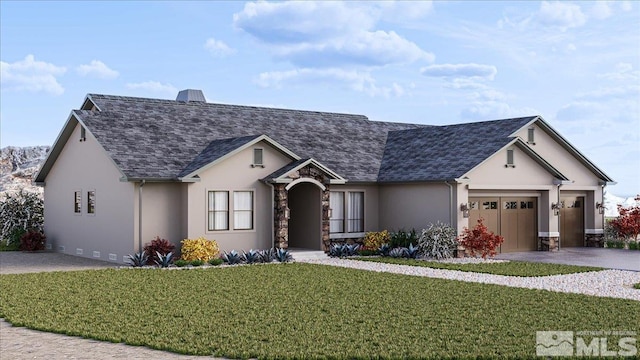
305,216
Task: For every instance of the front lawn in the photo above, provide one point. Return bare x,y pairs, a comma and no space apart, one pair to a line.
510,268
302,311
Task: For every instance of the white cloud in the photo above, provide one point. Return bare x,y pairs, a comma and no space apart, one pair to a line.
153,86
98,69
626,6
328,34
561,15
460,71
401,11
354,80
622,72
218,48
31,75
601,10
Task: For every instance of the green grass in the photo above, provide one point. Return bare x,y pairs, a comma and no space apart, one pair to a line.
302,311
511,268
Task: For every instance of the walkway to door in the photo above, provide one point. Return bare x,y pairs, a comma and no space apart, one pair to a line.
607,258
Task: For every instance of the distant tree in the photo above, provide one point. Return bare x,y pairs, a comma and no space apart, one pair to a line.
19,213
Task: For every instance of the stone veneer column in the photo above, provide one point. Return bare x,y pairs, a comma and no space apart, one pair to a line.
326,241
594,240
281,223
548,243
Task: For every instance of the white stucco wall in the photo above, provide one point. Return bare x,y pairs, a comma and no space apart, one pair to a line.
84,166
413,205
236,174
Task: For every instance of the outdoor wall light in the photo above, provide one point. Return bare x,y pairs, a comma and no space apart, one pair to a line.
465,210
556,208
330,212
601,208
287,213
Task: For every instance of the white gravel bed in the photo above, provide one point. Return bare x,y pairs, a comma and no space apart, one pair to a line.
605,283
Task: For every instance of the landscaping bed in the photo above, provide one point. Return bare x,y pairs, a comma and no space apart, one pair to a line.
302,311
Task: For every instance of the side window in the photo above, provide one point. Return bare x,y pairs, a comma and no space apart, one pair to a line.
336,204
77,202
355,212
243,210
91,202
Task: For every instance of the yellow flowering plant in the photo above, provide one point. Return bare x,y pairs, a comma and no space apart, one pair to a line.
199,249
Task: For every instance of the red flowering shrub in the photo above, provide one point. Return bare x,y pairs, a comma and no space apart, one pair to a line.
627,225
32,241
480,240
163,246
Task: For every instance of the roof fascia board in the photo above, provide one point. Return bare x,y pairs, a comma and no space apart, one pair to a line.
230,154
88,98
56,148
573,150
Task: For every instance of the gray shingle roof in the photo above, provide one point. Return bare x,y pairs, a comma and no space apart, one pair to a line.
165,139
444,152
151,138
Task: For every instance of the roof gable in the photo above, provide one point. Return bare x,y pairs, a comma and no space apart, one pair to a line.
283,175
444,152
218,150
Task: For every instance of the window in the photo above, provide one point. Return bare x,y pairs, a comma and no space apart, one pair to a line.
355,212
531,136
83,134
347,212
510,205
510,158
218,210
91,202
243,210
336,204
257,158
77,202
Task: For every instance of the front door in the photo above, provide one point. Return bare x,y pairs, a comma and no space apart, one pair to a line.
305,216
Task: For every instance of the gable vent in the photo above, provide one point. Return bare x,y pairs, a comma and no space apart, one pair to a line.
191,95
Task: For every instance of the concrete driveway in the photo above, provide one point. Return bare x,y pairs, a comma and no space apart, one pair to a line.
607,258
15,262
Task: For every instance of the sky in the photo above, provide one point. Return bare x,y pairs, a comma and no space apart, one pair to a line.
577,64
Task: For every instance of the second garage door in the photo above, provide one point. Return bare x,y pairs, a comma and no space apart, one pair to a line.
515,218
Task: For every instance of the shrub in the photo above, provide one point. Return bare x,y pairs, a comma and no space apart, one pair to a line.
32,241
157,245
438,241
251,257
181,263
268,255
365,252
636,286
384,249
8,246
283,255
399,252
196,262
627,225
342,250
480,240
232,257
138,260
402,238
412,251
199,249
21,211
615,244
634,245
216,262
163,260
373,240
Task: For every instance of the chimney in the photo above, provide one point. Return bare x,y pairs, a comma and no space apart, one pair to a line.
191,95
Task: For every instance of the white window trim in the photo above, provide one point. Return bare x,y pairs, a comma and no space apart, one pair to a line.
511,164
347,235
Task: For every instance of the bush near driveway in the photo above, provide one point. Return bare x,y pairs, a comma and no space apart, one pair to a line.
302,311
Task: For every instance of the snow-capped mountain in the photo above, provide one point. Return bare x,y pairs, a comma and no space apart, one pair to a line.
17,167
611,203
